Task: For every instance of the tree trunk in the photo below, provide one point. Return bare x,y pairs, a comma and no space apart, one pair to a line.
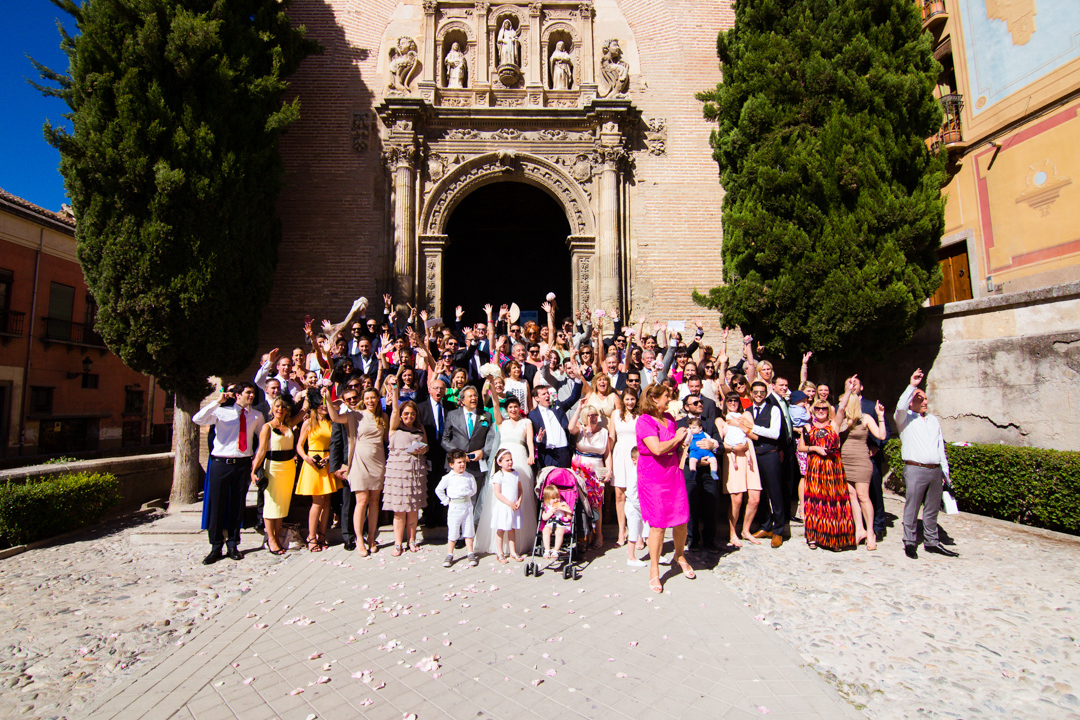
187,474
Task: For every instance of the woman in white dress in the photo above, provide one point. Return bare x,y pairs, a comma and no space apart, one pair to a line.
515,435
624,425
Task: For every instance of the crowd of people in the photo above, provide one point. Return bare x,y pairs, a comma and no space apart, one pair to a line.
449,423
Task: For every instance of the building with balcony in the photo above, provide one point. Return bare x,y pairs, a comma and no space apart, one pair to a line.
1006,363
62,391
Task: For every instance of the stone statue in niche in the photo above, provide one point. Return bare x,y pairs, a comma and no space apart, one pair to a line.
562,68
404,65
457,67
614,72
509,45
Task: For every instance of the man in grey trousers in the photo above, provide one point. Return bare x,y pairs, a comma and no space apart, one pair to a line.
925,467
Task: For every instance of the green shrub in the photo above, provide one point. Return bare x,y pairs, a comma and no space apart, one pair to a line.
43,507
1026,485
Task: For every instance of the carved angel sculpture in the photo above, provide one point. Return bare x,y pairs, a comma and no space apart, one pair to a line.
562,68
404,64
614,72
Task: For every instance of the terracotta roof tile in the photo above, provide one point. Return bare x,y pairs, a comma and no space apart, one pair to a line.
62,217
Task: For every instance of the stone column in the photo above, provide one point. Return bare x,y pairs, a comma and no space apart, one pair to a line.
431,53
482,71
401,161
608,237
588,62
535,56
431,256
582,253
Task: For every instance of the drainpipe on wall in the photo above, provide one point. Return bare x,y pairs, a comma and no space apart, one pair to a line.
30,342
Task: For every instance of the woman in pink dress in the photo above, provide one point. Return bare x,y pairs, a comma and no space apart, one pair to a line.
661,487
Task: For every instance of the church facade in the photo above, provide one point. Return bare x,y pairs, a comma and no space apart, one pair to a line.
581,109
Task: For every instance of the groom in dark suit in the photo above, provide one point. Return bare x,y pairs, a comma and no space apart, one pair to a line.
433,412
470,429
553,439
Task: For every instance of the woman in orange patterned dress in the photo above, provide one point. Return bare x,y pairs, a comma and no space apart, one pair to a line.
827,505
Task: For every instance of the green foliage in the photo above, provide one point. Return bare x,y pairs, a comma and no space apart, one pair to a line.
62,460
1031,486
833,210
43,507
173,171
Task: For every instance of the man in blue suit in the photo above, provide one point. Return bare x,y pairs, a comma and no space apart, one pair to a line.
553,439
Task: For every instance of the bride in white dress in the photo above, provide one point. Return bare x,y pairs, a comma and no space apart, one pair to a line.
516,435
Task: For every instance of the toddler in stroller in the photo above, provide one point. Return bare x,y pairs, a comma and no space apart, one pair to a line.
563,513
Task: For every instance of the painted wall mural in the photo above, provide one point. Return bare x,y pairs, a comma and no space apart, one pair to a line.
1012,43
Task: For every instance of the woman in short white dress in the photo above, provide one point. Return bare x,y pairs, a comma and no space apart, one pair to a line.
515,435
624,425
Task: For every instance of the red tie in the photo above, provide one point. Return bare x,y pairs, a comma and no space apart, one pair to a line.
241,442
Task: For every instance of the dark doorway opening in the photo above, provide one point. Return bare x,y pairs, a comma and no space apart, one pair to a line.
507,243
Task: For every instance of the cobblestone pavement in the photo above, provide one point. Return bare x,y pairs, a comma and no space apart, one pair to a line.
994,633
990,634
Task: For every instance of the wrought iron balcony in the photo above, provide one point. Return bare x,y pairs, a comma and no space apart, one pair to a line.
11,323
951,135
66,331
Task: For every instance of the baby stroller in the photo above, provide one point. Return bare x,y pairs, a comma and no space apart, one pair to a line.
572,491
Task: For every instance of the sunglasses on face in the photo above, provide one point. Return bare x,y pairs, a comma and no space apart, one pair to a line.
693,402
758,392
351,400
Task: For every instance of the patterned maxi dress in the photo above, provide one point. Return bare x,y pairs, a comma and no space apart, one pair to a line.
828,508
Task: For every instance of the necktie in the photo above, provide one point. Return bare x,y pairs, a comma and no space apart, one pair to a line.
439,419
241,441
469,421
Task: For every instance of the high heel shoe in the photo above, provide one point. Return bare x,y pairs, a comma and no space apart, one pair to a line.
655,586
688,571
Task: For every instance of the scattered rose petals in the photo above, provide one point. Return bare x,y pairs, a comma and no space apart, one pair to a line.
297,691
248,681
537,682
367,701
620,674
260,626
550,673
327,666
323,679
250,615
380,686
763,710
633,643
314,656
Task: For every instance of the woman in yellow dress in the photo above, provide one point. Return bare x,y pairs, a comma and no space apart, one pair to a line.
313,447
276,443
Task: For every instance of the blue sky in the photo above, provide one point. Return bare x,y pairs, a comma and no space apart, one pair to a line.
28,165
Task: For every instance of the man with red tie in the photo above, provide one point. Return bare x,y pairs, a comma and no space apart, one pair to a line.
236,426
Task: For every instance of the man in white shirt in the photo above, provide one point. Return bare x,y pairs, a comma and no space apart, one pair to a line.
551,427
925,468
237,427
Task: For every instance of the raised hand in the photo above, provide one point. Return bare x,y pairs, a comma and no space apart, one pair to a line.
423,315
879,409
806,357
917,377
546,307
307,327
387,300
487,310
459,312
412,311
698,325
272,356
504,310
747,339
385,339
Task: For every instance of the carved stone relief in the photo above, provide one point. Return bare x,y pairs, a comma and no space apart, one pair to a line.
584,264
514,134
362,125
431,282
656,136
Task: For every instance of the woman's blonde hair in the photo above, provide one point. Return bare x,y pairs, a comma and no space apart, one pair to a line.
649,396
853,411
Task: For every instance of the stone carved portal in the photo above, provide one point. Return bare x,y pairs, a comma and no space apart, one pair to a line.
442,142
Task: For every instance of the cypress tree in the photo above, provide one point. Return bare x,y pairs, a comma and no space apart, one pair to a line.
833,211
173,171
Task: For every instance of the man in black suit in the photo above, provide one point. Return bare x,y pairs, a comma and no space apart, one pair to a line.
338,463
702,489
470,429
473,356
789,466
611,367
364,358
432,413
768,425
708,407
553,439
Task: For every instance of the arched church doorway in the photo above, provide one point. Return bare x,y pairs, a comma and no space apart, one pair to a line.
507,243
